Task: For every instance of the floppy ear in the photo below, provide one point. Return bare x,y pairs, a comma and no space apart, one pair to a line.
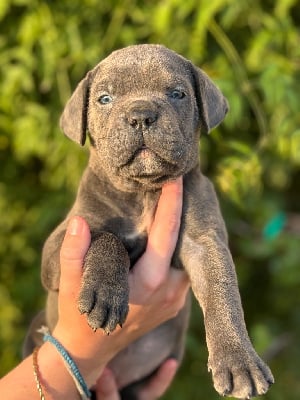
73,121
213,106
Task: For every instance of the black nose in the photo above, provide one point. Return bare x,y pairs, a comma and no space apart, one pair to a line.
141,117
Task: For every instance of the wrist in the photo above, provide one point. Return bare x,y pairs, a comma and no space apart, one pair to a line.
54,377
91,355
62,374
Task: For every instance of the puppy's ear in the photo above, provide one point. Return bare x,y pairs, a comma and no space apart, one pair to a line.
212,105
73,121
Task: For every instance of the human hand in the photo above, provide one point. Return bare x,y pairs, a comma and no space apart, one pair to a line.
106,387
157,292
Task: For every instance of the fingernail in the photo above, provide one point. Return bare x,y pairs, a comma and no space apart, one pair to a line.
174,363
75,226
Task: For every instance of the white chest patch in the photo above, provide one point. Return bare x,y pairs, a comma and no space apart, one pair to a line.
145,220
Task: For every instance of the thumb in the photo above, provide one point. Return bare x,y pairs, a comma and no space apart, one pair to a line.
74,247
106,386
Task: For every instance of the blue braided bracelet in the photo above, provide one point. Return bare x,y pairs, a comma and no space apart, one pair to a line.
70,364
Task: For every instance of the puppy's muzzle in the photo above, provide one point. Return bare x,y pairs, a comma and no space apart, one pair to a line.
141,115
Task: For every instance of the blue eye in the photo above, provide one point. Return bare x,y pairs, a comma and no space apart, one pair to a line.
105,99
177,94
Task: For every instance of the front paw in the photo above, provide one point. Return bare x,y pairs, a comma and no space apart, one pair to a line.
105,306
239,373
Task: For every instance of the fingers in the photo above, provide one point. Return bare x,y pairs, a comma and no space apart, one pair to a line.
175,290
152,268
106,388
160,382
73,250
164,230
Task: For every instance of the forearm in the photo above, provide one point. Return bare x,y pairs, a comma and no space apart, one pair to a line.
54,378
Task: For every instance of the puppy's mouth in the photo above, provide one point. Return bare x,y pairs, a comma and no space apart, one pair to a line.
148,167
143,152
146,155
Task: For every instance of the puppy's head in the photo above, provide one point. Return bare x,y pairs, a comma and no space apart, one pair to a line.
143,107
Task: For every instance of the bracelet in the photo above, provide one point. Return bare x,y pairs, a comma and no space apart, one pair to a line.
36,372
70,364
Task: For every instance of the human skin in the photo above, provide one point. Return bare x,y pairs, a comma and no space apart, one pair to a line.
106,388
157,293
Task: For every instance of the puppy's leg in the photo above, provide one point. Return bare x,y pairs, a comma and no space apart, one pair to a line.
237,369
104,292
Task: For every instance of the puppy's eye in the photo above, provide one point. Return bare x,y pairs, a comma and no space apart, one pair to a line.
177,94
105,99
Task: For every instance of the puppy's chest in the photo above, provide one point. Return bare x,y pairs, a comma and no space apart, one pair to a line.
135,238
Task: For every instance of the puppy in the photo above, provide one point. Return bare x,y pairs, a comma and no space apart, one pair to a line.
143,108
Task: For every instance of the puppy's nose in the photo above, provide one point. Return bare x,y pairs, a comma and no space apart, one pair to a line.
141,117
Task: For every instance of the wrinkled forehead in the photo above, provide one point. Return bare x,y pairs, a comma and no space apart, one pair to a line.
142,67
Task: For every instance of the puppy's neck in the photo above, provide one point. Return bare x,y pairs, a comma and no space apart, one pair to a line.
97,192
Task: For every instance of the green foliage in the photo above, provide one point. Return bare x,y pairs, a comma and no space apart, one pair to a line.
251,49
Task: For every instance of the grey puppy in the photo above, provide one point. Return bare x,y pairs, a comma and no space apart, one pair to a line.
143,108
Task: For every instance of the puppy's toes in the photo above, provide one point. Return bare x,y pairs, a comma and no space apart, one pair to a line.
243,387
106,316
86,300
240,374
223,381
105,307
116,316
262,377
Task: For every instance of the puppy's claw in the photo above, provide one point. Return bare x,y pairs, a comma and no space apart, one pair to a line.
271,381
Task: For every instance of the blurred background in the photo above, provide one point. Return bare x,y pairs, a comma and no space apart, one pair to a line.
251,49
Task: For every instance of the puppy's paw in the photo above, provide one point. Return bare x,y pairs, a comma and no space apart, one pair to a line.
105,306
241,374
